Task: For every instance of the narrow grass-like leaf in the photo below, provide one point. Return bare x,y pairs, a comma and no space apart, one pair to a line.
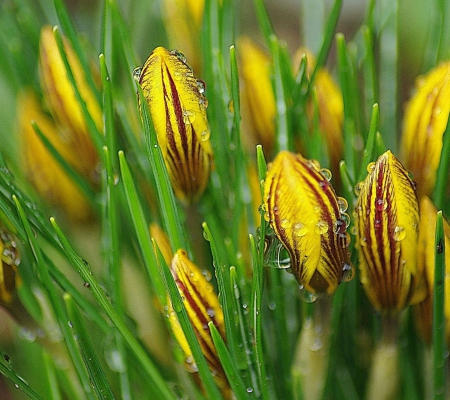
380,147
169,210
54,389
387,16
368,154
91,361
347,184
18,381
225,296
439,344
330,28
243,333
95,135
284,139
141,229
56,302
161,388
255,309
231,371
369,68
264,21
177,303
312,24
75,177
442,174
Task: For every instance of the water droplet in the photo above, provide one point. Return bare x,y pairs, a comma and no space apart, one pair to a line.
137,74
203,103
399,233
207,274
205,135
324,184
339,226
177,75
180,55
363,241
188,117
321,227
272,305
191,366
377,223
358,188
205,235
307,296
283,260
370,167
116,179
346,219
211,313
348,273
345,239
380,204
114,360
249,390
87,285
284,223
201,85
314,164
326,174
342,204
70,324
16,386
300,229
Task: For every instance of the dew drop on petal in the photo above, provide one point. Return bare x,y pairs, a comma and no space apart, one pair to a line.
380,204
377,223
284,223
370,167
300,229
326,174
399,233
342,204
205,135
346,218
201,85
180,55
321,227
358,188
137,74
348,272
363,241
188,117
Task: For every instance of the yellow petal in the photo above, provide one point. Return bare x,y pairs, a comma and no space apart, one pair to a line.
178,110
258,112
41,169
162,241
424,125
309,220
387,220
426,253
61,100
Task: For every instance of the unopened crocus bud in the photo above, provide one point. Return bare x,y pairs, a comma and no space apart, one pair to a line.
330,108
309,220
258,111
424,125
423,312
387,221
178,110
183,23
202,306
62,102
39,166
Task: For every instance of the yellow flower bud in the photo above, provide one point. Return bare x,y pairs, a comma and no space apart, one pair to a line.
10,260
387,221
178,110
330,108
41,169
202,306
426,253
424,125
183,22
60,98
309,220
258,111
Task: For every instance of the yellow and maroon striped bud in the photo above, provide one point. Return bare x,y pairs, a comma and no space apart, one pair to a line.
10,260
41,169
178,109
61,100
202,306
424,125
309,220
387,224
423,312
258,111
